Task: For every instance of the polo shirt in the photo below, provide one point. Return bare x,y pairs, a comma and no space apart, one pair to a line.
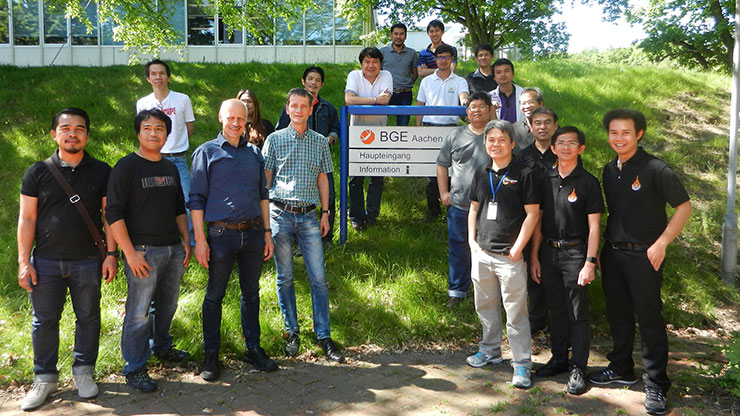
518,188
426,56
361,87
464,152
401,65
61,233
477,82
435,91
178,107
227,182
636,197
296,162
567,202
531,157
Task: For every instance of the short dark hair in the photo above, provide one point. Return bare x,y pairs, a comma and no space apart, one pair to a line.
626,114
502,125
72,111
483,47
399,26
442,49
569,129
147,114
300,92
503,61
543,110
316,69
436,23
480,95
156,62
537,92
371,52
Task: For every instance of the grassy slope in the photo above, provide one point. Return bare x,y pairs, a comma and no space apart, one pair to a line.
388,285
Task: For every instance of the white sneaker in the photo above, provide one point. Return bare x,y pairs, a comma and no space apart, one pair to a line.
40,391
481,359
86,387
521,378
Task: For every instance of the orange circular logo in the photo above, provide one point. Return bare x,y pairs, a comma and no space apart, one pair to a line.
367,137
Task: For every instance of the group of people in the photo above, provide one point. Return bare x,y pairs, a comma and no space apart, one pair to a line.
523,220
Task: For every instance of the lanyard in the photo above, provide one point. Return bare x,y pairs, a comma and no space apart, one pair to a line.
500,181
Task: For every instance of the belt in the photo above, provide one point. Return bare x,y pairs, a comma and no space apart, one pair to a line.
240,226
628,246
293,208
401,90
564,243
173,154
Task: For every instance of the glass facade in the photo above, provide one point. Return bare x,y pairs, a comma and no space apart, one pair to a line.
25,22
201,26
55,24
79,30
4,25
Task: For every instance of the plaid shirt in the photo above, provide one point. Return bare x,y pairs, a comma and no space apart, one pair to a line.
296,162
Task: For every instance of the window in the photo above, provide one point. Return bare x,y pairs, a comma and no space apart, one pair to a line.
235,37
25,22
286,34
79,30
346,34
4,24
319,23
175,12
201,26
265,27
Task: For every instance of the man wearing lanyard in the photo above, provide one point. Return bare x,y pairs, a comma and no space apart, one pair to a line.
504,208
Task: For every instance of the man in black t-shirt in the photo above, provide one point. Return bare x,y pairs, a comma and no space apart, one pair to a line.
146,210
637,187
64,256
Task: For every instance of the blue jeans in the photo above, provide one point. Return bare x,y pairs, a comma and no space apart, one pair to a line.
305,229
402,98
357,211
82,277
246,248
459,252
142,337
182,168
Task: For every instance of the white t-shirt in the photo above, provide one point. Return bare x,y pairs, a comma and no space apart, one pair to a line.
361,87
438,92
178,107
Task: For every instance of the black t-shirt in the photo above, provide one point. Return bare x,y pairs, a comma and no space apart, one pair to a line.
61,233
148,196
636,197
518,188
567,202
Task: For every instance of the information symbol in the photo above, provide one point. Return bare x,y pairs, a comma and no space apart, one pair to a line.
367,137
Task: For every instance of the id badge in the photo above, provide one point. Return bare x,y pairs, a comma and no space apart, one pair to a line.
492,210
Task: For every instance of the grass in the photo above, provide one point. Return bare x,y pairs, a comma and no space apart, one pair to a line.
388,284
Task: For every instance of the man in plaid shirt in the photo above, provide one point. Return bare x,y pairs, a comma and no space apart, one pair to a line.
297,161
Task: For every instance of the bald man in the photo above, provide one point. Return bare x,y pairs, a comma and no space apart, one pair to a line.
228,191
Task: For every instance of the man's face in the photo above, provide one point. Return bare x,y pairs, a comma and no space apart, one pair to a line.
444,60
528,103
312,83
398,37
158,76
298,110
498,144
543,127
152,134
435,34
623,138
478,112
71,133
503,74
484,58
370,67
233,118
566,147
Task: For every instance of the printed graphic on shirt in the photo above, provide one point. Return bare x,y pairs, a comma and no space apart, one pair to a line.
636,184
573,197
509,181
169,111
158,182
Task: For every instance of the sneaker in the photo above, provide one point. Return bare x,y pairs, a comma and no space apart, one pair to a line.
552,368
577,381
331,350
86,387
453,302
521,377
293,344
210,369
259,359
141,381
607,376
40,391
654,401
173,355
481,359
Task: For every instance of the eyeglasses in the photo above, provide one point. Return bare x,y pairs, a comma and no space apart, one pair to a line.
444,58
567,144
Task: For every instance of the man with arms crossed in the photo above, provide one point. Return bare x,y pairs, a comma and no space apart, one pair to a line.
229,191
504,209
427,63
400,61
637,187
146,212
65,256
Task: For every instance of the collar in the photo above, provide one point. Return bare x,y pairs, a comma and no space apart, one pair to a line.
636,159
62,164
511,164
578,171
430,46
221,140
451,76
478,74
294,133
403,50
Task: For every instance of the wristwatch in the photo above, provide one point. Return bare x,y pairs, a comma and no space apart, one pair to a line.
591,259
112,253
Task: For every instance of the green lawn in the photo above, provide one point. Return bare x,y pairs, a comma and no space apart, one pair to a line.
388,284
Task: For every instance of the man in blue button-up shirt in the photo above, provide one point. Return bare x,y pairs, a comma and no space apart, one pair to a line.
228,191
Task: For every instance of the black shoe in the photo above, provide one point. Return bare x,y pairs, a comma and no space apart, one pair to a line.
654,401
358,226
552,368
210,370
173,355
260,360
432,217
535,329
453,302
577,381
607,376
331,350
293,344
141,381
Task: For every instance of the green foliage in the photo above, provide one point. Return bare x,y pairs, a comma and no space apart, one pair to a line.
731,379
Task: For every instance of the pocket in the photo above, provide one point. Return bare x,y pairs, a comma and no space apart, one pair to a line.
214,231
576,252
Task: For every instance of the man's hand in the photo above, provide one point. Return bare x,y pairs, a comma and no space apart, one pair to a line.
586,275
445,198
269,247
110,268
514,255
202,253
138,264
188,252
324,224
656,254
27,276
535,269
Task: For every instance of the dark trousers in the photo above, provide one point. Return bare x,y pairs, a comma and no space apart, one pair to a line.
567,302
432,193
402,98
537,307
632,289
357,212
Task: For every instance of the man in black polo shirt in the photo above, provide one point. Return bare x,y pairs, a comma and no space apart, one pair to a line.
637,187
65,256
504,207
482,79
564,248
